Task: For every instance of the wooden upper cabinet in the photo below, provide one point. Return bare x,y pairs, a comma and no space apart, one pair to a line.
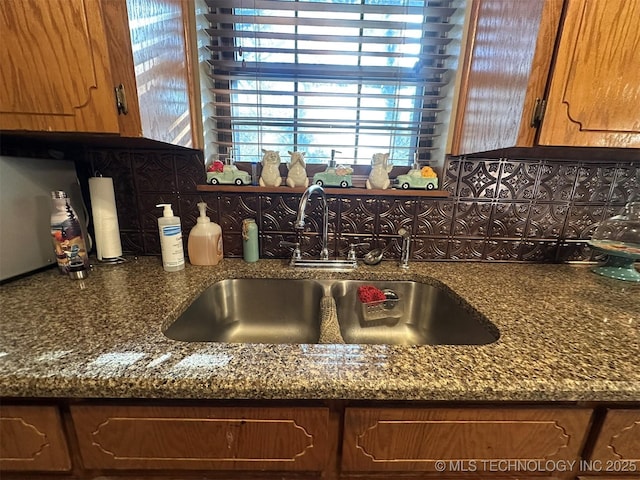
578,59
594,99
32,439
65,59
505,69
54,67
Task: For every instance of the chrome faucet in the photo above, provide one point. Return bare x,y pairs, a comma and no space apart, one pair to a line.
299,224
405,233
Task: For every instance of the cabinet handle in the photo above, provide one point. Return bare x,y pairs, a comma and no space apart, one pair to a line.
538,112
121,100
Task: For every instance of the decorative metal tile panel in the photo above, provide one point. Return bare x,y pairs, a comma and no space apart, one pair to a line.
534,251
556,181
573,252
502,250
479,179
509,220
278,212
466,249
429,248
593,183
450,175
546,220
232,244
394,213
626,184
131,242
535,210
190,171
434,217
518,180
472,219
154,171
151,241
235,208
358,215
582,220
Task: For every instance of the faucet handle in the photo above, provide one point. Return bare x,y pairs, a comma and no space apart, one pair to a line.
352,249
297,254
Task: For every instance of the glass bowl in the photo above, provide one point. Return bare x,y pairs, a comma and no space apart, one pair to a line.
619,238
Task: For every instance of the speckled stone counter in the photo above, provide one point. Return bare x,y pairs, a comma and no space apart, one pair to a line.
566,334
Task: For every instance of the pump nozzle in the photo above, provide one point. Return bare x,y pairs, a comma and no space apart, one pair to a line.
168,211
202,206
332,162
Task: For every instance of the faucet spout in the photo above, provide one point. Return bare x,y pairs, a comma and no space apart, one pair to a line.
299,223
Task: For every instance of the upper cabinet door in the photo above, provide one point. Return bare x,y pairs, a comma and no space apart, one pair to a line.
509,50
54,67
594,99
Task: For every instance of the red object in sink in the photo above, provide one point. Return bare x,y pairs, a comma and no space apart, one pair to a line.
370,294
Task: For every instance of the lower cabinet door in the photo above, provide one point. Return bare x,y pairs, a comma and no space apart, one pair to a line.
32,439
617,448
202,438
512,441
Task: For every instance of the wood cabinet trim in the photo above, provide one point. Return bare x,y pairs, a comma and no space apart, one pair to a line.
586,105
619,437
202,437
419,437
32,439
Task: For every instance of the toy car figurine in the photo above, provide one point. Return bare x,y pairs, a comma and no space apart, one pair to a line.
339,176
218,174
423,177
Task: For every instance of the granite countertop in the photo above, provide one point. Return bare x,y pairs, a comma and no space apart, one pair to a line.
566,334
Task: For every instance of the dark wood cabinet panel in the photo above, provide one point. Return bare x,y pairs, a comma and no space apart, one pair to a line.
549,73
594,97
54,67
415,439
32,439
619,440
202,438
65,59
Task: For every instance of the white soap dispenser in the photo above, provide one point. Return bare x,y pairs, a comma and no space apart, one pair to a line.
205,240
170,239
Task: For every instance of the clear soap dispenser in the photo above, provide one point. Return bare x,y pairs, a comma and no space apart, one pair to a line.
170,231
205,240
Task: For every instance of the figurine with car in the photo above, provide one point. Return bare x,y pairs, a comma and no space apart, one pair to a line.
334,175
418,178
220,174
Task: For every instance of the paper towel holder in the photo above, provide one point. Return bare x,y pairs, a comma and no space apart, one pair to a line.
105,220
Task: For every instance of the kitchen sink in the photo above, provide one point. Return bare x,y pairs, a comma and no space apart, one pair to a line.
290,311
252,310
418,314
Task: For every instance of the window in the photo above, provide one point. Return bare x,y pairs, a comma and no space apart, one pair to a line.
357,76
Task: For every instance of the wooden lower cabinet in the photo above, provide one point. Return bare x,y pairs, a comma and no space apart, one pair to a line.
481,442
202,438
617,447
32,439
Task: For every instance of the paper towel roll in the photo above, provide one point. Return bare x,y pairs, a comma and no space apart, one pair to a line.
105,218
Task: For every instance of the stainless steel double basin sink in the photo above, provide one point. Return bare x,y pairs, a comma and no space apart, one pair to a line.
256,310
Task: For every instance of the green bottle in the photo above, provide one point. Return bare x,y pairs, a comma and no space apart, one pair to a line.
250,240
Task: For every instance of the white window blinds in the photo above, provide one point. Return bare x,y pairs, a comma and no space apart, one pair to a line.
357,76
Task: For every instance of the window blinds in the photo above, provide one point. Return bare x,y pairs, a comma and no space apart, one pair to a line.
359,77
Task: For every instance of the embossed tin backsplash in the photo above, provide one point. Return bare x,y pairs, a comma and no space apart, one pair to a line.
532,210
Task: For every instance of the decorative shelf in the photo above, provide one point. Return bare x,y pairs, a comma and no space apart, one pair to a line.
351,191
